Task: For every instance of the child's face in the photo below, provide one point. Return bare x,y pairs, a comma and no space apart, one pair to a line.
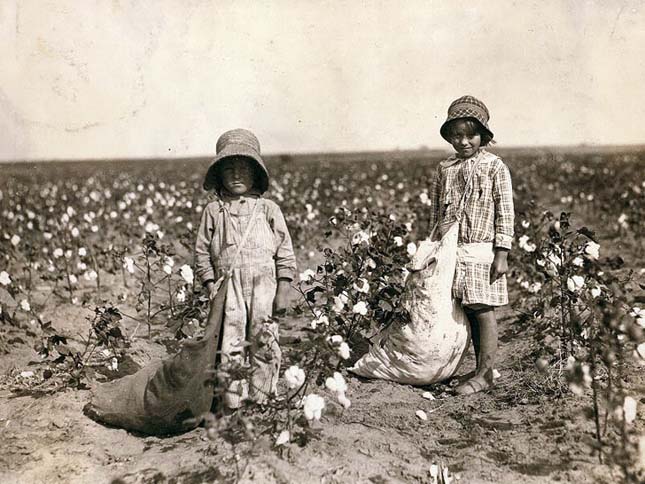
237,175
464,140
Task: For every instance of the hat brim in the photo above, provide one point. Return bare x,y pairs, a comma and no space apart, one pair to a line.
444,127
230,150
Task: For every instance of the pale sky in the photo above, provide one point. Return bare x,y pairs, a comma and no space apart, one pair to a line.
148,78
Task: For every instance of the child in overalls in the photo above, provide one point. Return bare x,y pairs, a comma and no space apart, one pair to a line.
244,234
474,188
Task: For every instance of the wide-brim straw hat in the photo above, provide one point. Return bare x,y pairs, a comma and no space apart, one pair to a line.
467,107
237,142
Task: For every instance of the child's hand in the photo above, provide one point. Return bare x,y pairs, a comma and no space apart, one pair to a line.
499,267
281,301
211,287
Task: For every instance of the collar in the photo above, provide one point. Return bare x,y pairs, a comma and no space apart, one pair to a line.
454,159
226,197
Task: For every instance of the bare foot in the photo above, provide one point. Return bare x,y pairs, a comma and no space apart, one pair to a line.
481,382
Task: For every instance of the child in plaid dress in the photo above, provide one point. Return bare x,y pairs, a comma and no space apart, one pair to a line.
473,187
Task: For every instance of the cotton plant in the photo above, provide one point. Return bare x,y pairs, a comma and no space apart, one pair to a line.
358,286
581,317
164,285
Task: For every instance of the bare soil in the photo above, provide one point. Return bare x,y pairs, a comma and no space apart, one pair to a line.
512,433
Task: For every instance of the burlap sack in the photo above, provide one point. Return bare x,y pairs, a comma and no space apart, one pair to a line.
165,396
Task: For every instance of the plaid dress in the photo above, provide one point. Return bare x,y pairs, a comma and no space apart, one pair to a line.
487,216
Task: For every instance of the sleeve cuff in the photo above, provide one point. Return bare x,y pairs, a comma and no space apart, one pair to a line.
207,277
503,241
285,273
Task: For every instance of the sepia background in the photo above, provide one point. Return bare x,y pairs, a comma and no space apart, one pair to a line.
105,79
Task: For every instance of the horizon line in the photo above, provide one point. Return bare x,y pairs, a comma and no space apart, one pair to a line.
421,149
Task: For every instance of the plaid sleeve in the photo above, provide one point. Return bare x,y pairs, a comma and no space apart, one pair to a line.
504,211
434,197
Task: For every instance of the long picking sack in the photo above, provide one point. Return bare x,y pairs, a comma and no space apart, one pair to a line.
165,396
432,345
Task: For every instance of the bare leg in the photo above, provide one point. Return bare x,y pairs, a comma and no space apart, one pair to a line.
484,335
474,335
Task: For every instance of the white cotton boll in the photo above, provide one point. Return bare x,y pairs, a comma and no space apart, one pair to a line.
398,241
360,237
336,339
307,275
640,351
412,248
128,263
630,408
360,308
5,279
25,306
82,252
575,283
283,438
313,406
294,377
361,285
186,272
320,321
339,304
344,401
535,287
336,383
344,350
592,250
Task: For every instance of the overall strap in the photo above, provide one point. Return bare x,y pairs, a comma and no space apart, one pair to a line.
229,272
249,226
460,207
468,188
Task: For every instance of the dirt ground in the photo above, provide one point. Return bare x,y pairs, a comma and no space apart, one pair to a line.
507,435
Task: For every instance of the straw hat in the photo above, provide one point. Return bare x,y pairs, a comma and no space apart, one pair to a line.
237,142
467,107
